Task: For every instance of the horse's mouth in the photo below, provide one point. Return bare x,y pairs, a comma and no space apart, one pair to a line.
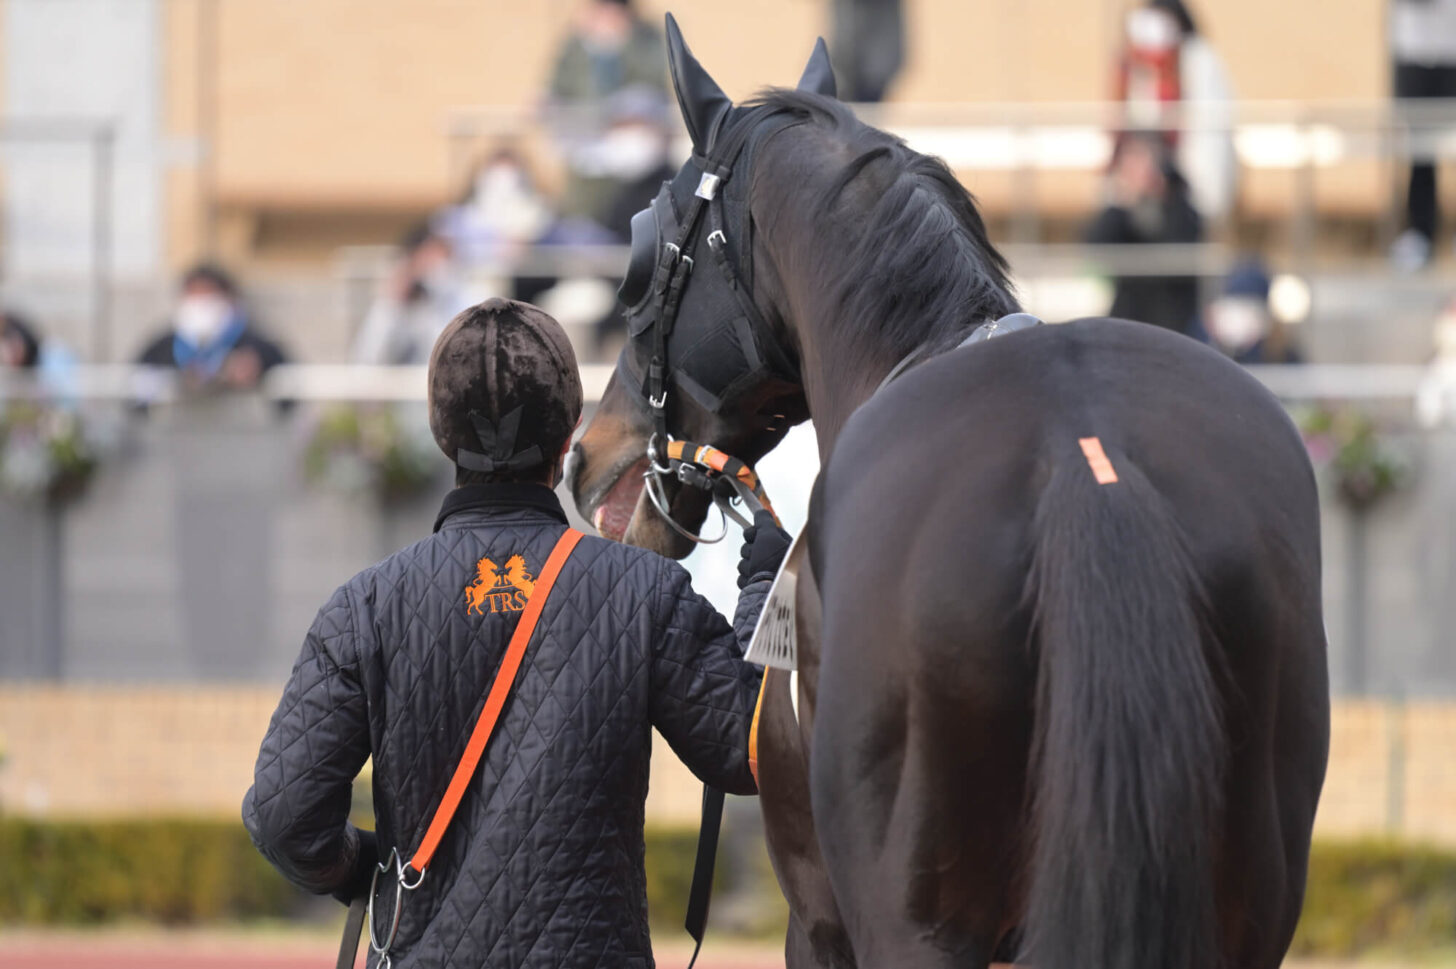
615,508
620,511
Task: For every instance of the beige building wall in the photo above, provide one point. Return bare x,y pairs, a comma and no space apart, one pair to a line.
331,115
100,751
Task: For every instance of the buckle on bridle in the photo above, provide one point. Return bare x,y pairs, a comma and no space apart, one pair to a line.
678,255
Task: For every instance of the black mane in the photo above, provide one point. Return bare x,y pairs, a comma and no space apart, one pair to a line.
918,268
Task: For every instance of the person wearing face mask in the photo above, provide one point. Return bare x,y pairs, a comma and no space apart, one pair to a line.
1167,66
1241,323
611,52
210,338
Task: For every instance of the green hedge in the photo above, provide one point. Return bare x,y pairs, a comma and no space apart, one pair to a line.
173,871
1363,897
181,871
1378,896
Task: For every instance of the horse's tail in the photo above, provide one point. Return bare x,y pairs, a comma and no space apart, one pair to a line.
1128,747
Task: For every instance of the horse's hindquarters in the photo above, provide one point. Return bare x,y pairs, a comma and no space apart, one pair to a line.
1193,638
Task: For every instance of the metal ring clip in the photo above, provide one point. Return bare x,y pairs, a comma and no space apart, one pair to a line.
655,458
658,499
401,885
392,861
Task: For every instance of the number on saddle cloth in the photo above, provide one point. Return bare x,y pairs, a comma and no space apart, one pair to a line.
775,639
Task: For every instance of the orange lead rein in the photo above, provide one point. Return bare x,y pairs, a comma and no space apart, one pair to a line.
495,701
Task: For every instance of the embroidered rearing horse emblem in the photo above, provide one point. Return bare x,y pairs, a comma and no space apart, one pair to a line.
498,589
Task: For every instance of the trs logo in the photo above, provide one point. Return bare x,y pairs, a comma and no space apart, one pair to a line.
499,590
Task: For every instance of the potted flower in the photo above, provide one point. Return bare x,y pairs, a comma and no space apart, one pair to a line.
45,453
372,449
1354,454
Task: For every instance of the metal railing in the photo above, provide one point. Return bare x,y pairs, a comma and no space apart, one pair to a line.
353,383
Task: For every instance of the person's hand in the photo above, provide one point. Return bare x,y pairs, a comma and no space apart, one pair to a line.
364,866
764,546
242,369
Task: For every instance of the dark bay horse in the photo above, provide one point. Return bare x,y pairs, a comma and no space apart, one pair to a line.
1062,691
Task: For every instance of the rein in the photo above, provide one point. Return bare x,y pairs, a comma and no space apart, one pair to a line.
706,468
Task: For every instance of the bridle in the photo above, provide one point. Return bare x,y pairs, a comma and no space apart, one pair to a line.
728,480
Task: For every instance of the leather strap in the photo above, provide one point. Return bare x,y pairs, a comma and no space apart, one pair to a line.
353,928
701,891
495,701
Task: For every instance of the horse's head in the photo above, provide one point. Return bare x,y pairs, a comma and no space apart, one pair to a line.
708,357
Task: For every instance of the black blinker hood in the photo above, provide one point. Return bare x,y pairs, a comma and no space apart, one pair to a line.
717,345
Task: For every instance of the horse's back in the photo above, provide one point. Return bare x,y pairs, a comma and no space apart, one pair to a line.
955,455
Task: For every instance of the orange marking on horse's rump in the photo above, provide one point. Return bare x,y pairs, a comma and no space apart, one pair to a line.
1102,468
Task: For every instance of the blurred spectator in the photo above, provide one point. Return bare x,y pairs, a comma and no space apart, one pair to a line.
23,348
1436,397
636,153
19,346
1167,65
420,296
1147,204
867,46
1241,323
503,211
209,337
633,155
1423,47
609,49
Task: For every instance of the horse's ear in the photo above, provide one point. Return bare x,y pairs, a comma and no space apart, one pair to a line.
819,74
703,103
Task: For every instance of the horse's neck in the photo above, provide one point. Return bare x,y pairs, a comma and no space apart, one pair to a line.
837,380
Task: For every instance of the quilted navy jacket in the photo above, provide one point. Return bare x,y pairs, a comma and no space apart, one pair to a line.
543,864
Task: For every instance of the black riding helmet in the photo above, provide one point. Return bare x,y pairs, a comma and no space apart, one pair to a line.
504,390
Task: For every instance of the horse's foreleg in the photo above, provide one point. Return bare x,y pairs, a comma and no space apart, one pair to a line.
816,937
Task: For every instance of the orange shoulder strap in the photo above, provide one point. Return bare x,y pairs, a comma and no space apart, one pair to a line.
505,677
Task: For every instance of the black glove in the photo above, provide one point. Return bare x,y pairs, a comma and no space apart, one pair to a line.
364,866
764,547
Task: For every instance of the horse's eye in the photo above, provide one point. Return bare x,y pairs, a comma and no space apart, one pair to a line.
644,259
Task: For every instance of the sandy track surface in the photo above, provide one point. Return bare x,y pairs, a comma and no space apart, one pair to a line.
291,949
152,949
